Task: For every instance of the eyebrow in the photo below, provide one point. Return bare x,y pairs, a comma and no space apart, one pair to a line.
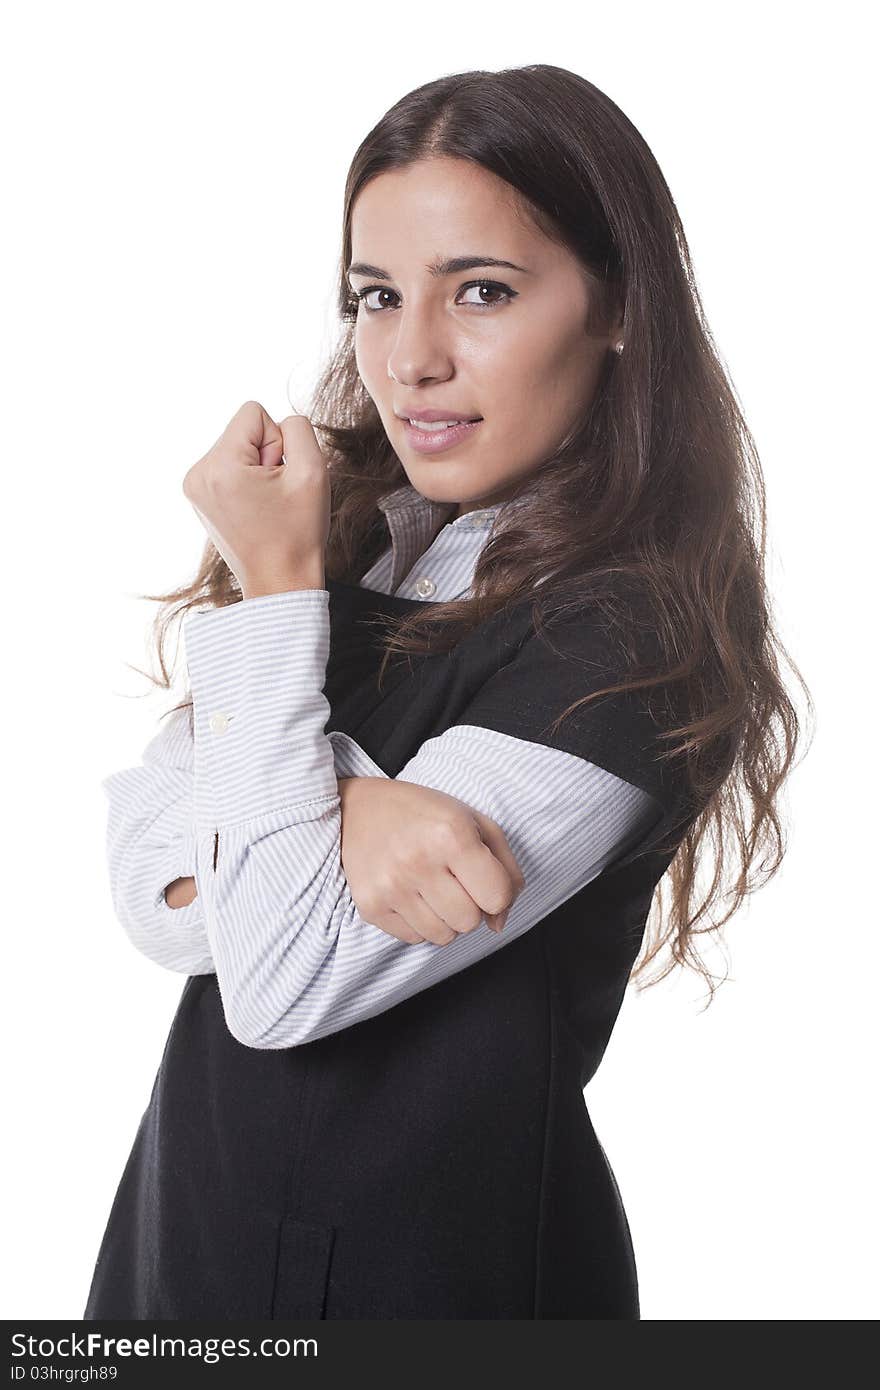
453,266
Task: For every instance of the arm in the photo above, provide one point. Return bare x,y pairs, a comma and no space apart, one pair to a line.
150,842
150,850
183,891
294,959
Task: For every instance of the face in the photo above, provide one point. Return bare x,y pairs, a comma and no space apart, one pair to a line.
514,352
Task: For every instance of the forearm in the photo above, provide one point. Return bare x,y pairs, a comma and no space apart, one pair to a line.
182,891
149,843
310,964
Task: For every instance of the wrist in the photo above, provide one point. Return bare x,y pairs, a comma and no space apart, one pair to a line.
283,584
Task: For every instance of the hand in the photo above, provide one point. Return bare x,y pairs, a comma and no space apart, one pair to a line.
421,865
269,519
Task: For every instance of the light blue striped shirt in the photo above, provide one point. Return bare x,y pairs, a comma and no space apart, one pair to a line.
275,919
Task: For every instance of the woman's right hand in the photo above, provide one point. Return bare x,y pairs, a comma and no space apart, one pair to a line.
421,865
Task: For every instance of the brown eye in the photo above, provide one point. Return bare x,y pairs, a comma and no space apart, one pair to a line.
490,287
373,289
483,286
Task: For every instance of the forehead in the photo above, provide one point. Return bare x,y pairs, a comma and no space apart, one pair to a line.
440,206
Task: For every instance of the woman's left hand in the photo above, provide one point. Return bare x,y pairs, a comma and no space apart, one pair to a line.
269,519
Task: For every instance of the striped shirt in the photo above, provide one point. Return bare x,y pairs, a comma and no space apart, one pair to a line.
249,807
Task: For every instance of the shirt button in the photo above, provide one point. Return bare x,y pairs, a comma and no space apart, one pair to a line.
425,587
219,723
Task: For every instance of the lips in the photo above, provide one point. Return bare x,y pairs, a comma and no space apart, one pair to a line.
435,441
432,416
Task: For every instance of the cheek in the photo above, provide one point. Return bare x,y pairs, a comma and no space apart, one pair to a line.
537,405
567,371
535,390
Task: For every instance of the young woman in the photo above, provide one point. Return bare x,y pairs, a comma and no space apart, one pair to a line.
504,671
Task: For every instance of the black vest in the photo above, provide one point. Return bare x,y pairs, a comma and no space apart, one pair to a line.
436,1160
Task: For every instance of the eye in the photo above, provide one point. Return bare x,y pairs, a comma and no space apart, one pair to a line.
493,287
488,286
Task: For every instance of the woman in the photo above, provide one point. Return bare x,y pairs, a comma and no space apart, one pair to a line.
526,661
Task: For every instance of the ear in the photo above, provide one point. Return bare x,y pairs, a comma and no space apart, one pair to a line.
616,335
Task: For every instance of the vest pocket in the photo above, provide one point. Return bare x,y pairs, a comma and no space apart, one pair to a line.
302,1272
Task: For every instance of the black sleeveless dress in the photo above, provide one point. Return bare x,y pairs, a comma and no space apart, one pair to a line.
436,1160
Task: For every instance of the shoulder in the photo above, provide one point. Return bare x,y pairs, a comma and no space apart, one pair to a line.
587,677
605,634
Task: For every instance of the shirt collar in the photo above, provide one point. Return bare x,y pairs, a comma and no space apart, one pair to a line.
414,520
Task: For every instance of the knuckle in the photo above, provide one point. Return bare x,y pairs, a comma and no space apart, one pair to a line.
451,833
499,902
395,929
470,922
411,861
382,887
374,899
390,924
367,906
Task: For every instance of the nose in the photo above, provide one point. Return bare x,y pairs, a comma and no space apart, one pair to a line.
419,349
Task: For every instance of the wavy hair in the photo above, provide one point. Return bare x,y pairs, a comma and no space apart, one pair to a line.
660,484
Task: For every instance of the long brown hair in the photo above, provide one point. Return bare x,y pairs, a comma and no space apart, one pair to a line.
661,484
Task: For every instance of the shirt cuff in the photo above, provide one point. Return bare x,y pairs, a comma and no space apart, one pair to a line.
257,670
350,759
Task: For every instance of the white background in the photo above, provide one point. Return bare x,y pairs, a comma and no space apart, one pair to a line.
173,179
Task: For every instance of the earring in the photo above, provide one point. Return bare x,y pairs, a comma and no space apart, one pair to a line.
618,347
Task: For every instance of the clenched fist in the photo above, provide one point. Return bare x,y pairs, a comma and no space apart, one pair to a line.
268,515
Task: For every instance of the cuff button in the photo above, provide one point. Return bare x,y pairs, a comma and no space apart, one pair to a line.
219,722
